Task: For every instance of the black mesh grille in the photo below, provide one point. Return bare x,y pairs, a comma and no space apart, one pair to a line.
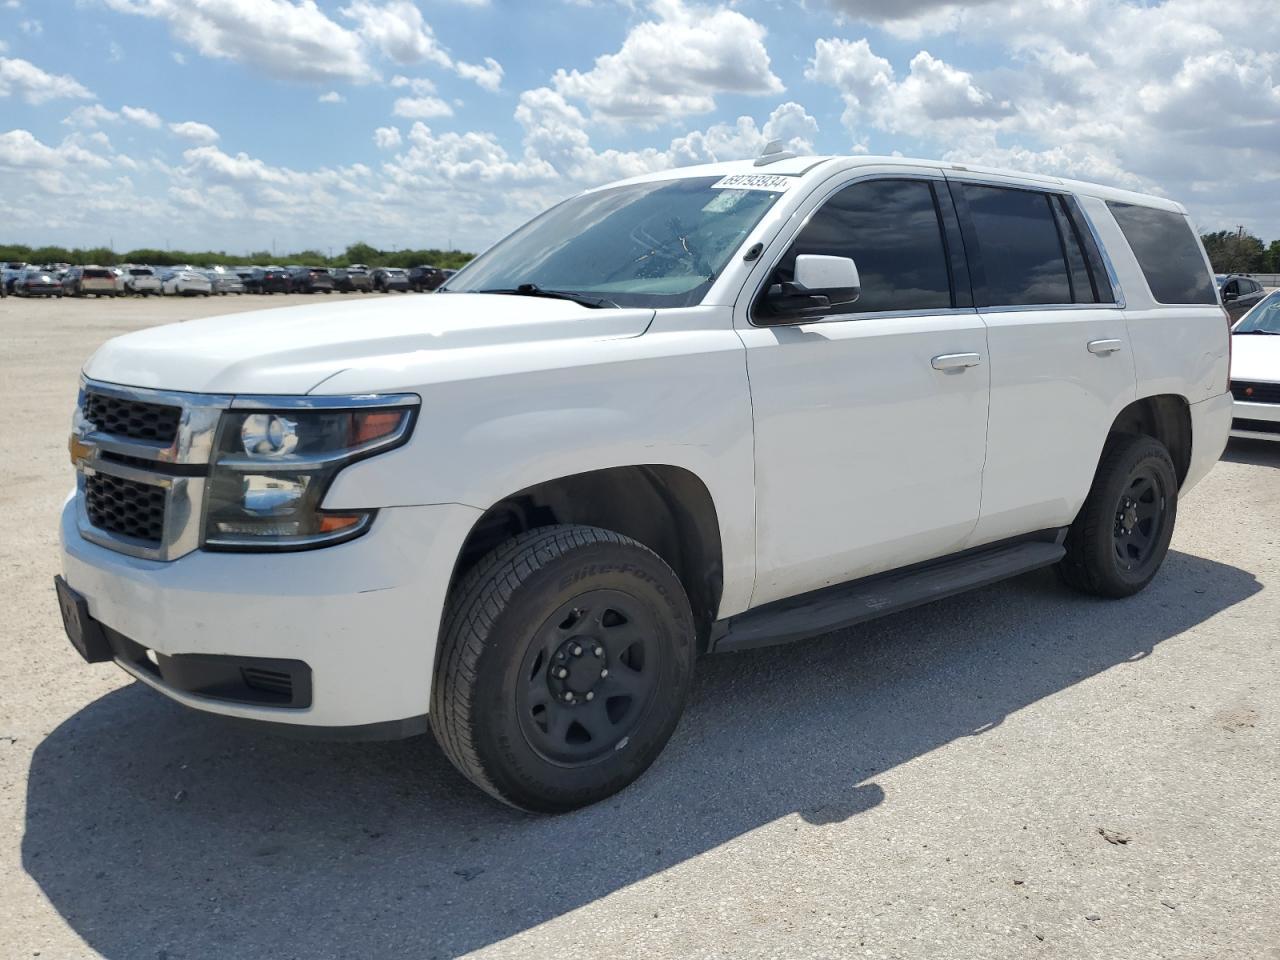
125,507
132,419
1254,392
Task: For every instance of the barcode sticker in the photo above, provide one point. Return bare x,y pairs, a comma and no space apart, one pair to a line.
773,182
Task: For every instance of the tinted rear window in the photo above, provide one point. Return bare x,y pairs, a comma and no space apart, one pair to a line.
1022,252
1168,253
98,274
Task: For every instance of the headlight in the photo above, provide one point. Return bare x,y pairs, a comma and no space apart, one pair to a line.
272,468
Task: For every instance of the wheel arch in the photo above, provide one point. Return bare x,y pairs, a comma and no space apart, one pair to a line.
667,508
1167,418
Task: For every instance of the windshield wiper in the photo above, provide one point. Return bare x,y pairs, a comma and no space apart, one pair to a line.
1265,333
533,290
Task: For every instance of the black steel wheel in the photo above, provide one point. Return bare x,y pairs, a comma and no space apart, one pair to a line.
593,669
1140,516
1119,539
565,660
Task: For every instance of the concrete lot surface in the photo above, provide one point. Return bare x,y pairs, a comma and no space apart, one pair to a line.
1021,772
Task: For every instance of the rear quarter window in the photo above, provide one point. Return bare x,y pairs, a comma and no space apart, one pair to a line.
1167,252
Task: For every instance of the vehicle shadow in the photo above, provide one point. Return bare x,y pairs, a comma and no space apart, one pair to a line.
1255,453
159,832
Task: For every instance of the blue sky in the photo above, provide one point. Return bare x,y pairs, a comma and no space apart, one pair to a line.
234,124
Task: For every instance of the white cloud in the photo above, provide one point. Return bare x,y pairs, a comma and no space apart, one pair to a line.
487,75
179,58
925,102
387,138
420,86
674,66
25,79
31,27
423,108
333,96
141,116
19,149
396,28
1164,97
282,38
90,116
193,130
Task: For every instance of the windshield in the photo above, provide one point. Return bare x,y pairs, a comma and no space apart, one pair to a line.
1264,318
659,244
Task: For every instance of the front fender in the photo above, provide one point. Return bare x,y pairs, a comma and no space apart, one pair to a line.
678,399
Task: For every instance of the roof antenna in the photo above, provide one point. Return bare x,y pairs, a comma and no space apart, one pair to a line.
771,153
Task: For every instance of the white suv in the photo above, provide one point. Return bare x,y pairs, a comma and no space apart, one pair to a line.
696,411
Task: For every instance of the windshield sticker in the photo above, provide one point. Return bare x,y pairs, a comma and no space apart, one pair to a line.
725,201
773,182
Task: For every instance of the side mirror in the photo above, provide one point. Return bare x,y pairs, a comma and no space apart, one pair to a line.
819,282
1229,295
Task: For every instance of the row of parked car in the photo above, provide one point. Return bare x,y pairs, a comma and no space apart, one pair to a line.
62,279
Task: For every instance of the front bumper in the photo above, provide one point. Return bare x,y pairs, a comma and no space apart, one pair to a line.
363,616
1255,421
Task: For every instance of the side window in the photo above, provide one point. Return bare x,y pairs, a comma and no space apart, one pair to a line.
890,228
1077,270
1232,287
1023,255
1167,252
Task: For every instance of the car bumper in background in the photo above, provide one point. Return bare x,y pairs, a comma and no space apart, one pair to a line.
341,637
1255,421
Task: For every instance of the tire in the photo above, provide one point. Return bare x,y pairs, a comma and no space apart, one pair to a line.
499,710
1120,538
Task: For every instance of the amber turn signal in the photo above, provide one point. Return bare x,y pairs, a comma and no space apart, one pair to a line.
374,425
333,522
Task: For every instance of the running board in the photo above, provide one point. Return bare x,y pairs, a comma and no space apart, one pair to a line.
846,604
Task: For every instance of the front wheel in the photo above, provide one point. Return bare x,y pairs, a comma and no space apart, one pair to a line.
565,662
1119,539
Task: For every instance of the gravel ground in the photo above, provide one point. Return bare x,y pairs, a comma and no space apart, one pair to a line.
1021,772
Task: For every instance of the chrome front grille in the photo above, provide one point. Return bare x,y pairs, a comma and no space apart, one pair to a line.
131,419
125,507
141,459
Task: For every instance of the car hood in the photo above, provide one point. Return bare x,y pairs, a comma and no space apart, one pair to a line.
293,349
1255,357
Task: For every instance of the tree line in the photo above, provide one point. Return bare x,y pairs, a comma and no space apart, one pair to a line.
1234,251
356,253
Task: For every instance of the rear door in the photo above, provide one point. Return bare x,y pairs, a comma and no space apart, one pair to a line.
871,417
1061,365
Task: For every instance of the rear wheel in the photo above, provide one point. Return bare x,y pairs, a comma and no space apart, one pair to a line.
566,658
1120,538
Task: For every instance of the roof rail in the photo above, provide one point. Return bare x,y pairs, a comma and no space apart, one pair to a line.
772,153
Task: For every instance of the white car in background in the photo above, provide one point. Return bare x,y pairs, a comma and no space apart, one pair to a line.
140,280
185,282
1255,371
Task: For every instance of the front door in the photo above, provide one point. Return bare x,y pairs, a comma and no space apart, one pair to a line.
870,418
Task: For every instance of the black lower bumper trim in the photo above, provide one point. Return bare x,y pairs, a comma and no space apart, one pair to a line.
364,732
264,681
